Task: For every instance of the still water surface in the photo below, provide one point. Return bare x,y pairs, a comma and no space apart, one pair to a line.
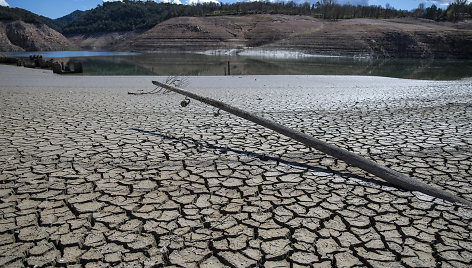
69,54
190,64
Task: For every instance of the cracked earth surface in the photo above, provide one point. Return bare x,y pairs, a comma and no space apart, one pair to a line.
91,176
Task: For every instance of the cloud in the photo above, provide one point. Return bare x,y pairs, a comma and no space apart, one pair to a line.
341,2
354,2
4,3
444,2
177,2
194,2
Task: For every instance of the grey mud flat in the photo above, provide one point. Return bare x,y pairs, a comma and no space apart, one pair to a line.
91,176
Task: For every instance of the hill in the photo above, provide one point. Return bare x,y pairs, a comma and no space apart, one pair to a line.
142,15
219,32
21,30
67,19
15,14
120,16
23,36
127,15
399,38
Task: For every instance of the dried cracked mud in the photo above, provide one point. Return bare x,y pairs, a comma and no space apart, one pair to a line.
91,176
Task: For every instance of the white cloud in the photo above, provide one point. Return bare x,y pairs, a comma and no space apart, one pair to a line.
194,2
4,3
341,2
177,2
444,2
159,1
354,2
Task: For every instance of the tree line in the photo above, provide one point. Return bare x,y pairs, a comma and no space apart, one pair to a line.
141,15
459,10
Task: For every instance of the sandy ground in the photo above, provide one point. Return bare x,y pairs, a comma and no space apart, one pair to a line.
93,176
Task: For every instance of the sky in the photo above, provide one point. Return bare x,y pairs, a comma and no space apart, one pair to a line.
58,8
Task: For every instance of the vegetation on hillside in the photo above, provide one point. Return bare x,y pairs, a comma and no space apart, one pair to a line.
123,16
70,17
131,15
135,15
7,13
459,10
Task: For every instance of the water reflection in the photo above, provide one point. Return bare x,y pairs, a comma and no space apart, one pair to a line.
68,54
189,64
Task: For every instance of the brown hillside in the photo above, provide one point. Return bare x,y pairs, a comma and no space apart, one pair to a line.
228,32
383,38
355,37
22,36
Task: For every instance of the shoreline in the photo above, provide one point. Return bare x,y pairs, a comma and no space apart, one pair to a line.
35,71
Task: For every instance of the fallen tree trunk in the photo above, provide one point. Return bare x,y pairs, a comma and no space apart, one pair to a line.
353,159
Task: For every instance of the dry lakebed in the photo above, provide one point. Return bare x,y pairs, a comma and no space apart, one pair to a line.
92,176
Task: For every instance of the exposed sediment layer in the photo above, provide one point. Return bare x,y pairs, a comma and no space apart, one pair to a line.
399,38
384,38
92,175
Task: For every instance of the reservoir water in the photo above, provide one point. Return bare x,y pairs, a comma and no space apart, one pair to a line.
193,64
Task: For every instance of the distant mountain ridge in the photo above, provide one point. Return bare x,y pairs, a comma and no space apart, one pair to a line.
118,16
67,19
13,14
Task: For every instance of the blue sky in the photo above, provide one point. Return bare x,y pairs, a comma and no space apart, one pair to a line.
58,8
